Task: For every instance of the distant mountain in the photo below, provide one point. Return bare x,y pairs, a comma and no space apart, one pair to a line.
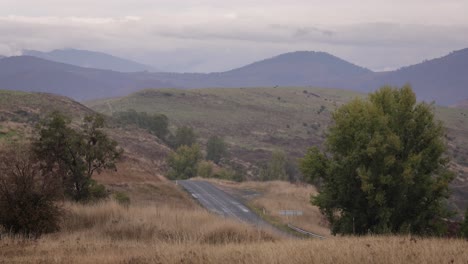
302,68
462,104
444,80
90,59
27,73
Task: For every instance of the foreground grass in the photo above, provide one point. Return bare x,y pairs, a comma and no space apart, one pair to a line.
110,233
271,197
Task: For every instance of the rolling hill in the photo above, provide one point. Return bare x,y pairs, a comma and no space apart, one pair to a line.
28,73
443,80
257,121
300,68
144,156
462,104
90,59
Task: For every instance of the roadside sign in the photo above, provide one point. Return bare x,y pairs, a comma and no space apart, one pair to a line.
290,212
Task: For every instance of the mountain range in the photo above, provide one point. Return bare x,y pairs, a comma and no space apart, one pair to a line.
90,59
443,80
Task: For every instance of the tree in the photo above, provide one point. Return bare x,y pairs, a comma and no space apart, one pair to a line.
314,165
184,136
215,149
205,169
156,124
78,153
183,163
28,194
385,170
275,169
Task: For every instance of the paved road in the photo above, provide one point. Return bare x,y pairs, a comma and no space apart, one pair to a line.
222,203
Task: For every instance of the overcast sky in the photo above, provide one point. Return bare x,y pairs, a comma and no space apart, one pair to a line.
216,35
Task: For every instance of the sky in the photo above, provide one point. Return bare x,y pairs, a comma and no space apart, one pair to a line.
218,35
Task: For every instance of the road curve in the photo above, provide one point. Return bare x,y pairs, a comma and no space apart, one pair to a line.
222,203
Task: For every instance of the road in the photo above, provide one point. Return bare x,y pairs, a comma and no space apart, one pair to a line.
222,203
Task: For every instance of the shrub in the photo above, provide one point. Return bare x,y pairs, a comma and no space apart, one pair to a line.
28,194
122,198
205,169
183,163
215,149
97,191
184,136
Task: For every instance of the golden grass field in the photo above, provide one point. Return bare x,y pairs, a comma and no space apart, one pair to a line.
110,233
273,196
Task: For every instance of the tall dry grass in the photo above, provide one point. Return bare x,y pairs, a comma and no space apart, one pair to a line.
169,224
274,196
110,233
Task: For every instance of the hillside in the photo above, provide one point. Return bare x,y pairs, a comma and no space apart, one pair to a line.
259,120
462,104
144,156
27,73
443,80
90,59
300,68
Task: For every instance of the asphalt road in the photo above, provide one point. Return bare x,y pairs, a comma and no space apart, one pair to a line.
219,202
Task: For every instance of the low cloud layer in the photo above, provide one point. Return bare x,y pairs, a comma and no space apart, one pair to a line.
218,35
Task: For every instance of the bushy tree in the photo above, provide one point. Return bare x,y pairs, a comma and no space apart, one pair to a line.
156,124
385,170
183,162
78,153
29,193
215,149
205,169
275,169
184,136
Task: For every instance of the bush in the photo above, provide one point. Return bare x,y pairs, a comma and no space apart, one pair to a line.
122,198
205,169
157,124
97,191
215,149
184,136
229,174
183,163
28,194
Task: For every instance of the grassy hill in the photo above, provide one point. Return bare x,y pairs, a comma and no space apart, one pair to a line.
256,121
141,171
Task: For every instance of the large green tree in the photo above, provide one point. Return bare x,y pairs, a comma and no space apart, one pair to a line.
384,169
77,152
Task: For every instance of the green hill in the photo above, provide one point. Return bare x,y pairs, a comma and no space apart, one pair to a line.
256,121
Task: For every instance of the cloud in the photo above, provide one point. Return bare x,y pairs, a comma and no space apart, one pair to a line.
213,35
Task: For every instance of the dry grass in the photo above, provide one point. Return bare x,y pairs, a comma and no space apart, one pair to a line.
274,196
109,233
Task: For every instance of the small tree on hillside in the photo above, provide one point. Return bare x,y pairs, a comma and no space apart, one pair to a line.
78,153
183,163
28,193
184,136
275,169
385,170
215,149
156,124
